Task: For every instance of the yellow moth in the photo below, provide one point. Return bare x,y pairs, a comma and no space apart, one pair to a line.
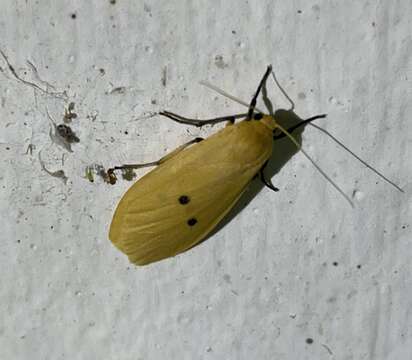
191,189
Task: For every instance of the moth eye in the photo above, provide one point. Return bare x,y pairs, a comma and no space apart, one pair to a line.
191,221
257,116
184,199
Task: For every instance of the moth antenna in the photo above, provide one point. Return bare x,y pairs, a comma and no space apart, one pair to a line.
335,139
262,83
358,158
283,91
225,94
299,147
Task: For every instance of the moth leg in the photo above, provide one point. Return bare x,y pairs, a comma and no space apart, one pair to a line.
178,150
197,122
112,177
253,102
266,182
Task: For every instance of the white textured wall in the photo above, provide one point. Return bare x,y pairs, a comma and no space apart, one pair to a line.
267,281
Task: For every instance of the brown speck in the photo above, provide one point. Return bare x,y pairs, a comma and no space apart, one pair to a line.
335,263
309,341
73,16
67,133
69,115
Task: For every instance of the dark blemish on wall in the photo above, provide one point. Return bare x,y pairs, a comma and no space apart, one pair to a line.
102,71
128,174
73,16
335,263
332,299
227,279
100,171
219,62
69,115
299,11
108,176
309,341
67,133
118,90
327,349
57,174
359,266
164,76
113,2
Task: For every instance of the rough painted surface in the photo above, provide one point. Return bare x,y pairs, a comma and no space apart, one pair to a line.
296,265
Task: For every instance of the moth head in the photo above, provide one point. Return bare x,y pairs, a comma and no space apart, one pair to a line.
267,120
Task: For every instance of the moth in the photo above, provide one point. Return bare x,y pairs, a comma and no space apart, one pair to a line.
190,190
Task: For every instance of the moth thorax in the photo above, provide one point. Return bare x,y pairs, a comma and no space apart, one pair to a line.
269,121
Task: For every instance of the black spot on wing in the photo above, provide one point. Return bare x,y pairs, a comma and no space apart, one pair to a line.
184,199
192,221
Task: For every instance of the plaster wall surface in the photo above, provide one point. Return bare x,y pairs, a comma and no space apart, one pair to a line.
287,267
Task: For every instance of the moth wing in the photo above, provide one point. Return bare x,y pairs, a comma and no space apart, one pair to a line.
150,223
